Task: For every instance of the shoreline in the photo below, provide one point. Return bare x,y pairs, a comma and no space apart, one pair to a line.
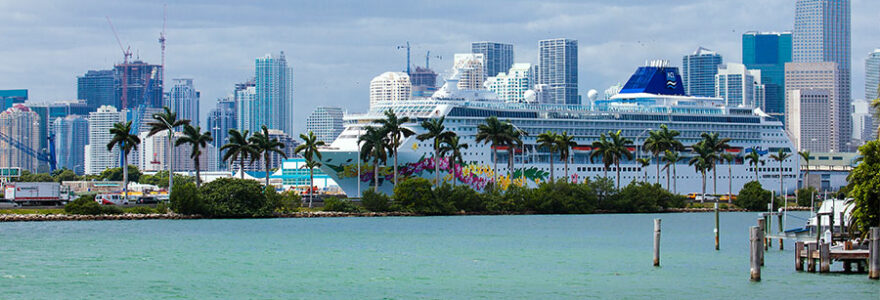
317,214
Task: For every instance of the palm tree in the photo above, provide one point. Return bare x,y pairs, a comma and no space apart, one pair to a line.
435,130
125,141
643,163
309,150
393,126
514,141
564,143
754,160
805,155
496,133
376,147
658,142
198,139
729,159
452,147
702,162
239,148
266,145
671,158
167,121
602,148
717,145
780,156
549,140
620,150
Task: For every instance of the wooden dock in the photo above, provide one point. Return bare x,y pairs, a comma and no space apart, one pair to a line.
824,256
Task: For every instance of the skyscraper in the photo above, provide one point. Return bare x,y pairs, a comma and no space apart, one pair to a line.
140,75
470,70
558,69
71,137
390,86
497,57
8,98
768,52
872,74
698,72
98,158
424,82
184,100
23,125
326,123
822,34
245,95
49,112
808,112
739,86
864,127
273,81
512,85
97,88
814,77
220,120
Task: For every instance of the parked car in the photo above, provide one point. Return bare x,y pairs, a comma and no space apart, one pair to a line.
725,199
709,198
147,200
8,204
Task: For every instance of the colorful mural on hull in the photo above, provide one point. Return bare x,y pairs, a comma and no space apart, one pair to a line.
474,175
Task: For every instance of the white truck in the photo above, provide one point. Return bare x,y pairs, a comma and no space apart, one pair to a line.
36,193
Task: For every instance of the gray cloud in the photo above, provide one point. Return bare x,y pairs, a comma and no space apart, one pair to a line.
336,47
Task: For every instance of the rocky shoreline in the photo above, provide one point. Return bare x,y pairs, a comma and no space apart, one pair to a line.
315,214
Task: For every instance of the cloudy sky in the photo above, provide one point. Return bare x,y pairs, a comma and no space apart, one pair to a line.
336,47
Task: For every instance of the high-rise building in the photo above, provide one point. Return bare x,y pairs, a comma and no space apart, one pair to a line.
275,159
245,95
872,75
739,86
184,100
273,104
497,57
152,155
326,123
71,137
558,69
390,86
140,75
698,72
864,127
22,125
768,52
512,86
424,82
49,112
817,76
220,120
822,34
98,158
808,112
470,70
8,98
97,88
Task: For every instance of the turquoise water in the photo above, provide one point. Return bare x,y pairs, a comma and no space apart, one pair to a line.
547,257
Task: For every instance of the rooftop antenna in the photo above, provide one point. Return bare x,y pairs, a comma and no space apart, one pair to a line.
407,47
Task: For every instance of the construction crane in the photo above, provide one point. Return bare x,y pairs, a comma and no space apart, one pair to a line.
126,53
39,155
407,47
162,43
428,59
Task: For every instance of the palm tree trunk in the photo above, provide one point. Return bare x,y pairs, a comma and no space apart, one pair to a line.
781,192
657,158
667,178
266,158
510,164
756,172
311,184
241,168
376,175
552,178
567,179
674,180
729,183
714,180
702,200
124,177
495,165
198,172
170,157
436,164
617,166
395,164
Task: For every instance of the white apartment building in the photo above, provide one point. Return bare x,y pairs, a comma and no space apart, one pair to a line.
739,86
98,158
471,71
512,86
808,110
390,86
184,100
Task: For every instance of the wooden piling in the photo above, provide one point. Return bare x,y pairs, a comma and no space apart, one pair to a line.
825,258
779,221
717,229
874,254
656,242
755,253
798,260
761,223
811,263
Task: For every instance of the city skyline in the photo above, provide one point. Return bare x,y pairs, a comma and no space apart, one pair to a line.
325,69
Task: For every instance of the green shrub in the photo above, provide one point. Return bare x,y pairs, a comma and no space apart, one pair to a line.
144,210
375,201
513,200
448,199
415,195
804,195
753,197
162,208
340,205
285,202
560,197
86,205
185,199
236,198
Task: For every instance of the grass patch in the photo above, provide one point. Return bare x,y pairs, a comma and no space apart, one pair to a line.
26,211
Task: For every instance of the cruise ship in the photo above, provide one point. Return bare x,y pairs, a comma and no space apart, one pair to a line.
653,96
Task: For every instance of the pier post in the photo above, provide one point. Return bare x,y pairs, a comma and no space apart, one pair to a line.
811,262
779,220
842,224
755,253
717,229
798,260
656,242
874,254
761,225
825,258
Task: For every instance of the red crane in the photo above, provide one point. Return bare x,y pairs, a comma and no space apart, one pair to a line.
126,52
